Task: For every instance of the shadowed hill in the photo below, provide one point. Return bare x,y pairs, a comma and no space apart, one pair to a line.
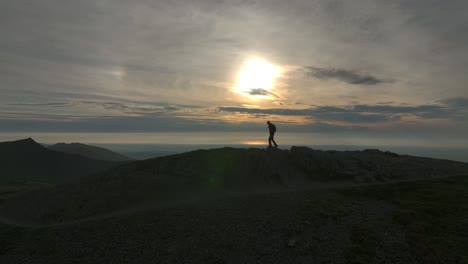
26,160
88,151
231,168
202,172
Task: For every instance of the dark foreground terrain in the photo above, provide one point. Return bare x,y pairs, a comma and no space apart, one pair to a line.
423,221
204,173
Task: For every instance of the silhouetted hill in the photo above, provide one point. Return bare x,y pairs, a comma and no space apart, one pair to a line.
26,160
201,172
88,151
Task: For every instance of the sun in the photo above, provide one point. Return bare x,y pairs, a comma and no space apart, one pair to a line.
256,79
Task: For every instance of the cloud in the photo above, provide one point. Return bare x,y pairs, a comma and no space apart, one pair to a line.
451,108
424,111
171,108
347,76
82,109
353,114
147,124
458,107
57,104
319,113
457,102
130,117
260,91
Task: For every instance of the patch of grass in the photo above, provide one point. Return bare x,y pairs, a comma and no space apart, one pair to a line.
363,245
8,235
9,190
328,204
433,215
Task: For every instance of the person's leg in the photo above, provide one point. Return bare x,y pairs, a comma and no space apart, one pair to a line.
269,139
273,139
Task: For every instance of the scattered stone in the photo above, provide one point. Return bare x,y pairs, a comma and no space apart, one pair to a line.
292,242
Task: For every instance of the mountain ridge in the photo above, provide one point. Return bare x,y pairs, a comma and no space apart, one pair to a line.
89,151
27,160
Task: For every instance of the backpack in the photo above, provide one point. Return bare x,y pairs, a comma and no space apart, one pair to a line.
274,127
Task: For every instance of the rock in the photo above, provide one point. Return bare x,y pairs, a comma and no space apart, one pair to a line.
291,242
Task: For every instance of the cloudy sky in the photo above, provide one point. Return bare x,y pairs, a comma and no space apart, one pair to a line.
353,69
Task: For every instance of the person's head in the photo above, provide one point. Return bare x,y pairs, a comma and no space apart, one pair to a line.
268,122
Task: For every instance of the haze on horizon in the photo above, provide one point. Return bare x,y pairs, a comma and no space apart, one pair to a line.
355,72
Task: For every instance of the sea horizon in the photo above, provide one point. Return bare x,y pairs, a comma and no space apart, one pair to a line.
148,145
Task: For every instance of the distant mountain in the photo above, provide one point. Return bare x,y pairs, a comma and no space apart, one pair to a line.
27,160
207,172
88,151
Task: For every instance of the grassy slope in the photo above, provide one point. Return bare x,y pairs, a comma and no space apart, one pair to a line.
8,190
433,215
413,222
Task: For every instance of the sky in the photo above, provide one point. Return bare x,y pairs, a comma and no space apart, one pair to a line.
337,71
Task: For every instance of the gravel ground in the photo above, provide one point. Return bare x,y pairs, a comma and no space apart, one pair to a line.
302,227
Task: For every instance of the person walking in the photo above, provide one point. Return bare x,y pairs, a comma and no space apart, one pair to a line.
272,129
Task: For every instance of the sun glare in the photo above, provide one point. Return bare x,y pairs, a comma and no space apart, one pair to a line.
254,142
256,78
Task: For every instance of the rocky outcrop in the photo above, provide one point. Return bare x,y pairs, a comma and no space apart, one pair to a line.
240,168
370,165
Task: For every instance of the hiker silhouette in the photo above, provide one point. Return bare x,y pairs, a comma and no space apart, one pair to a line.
272,129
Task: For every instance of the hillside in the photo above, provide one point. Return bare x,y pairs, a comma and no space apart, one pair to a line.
413,222
88,151
212,172
26,160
